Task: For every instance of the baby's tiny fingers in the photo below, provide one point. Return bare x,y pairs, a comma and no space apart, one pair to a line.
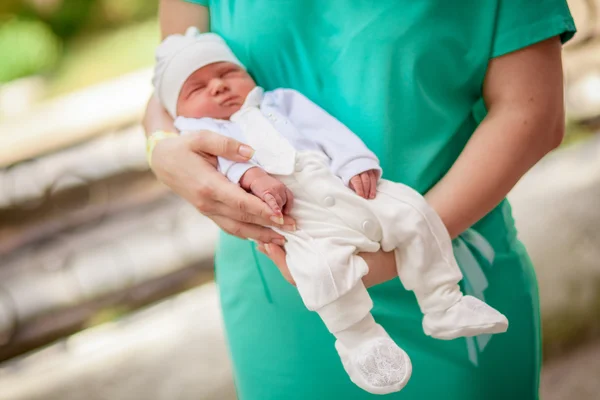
272,203
289,201
366,183
356,184
373,176
280,197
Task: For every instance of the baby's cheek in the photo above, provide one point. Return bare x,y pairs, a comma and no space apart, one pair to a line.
188,108
204,109
243,86
192,107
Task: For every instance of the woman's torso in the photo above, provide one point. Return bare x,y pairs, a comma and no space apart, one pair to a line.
406,79
406,76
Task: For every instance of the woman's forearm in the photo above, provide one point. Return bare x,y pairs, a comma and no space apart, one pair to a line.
156,118
523,92
501,151
175,16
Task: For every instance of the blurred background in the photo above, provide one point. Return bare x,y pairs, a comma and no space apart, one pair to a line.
106,277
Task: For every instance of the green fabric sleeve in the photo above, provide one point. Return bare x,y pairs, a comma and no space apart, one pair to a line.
521,23
199,2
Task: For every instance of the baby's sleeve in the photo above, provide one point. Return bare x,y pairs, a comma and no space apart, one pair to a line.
348,153
231,169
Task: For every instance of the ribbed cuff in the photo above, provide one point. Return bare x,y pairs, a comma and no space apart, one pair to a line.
347,310
357,166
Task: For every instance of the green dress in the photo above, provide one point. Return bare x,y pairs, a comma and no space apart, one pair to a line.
406,76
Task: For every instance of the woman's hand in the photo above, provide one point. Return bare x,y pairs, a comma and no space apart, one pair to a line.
187,163
382,265
270,189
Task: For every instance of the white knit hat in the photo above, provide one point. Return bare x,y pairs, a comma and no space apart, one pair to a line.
179,56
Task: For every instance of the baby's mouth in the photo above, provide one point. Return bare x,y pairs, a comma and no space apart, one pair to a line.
229,101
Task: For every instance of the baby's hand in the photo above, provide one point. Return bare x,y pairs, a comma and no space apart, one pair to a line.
269,189
365,184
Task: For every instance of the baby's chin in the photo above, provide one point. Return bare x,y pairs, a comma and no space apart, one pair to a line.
222,112
229,109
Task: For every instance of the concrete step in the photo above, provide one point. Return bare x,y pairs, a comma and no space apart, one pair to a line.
172,351
175,351
557,210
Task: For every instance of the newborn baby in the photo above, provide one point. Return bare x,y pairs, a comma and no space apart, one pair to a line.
306,157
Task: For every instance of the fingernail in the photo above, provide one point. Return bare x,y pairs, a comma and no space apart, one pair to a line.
277,220
246,151
279,242
289,227
268,248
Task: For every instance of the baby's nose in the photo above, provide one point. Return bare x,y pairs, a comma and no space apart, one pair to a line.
218,85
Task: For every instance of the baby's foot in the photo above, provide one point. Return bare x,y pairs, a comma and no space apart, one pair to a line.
468,317
372,359
379,366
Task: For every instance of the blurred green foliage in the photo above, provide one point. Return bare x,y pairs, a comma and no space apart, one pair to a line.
35,33
90,59
28,47
576,132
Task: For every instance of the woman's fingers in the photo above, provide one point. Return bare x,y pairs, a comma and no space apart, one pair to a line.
218,145
277,255
218,196
190,175
224,210
242,206
243,202
248,231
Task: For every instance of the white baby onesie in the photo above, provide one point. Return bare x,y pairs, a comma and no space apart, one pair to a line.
315,156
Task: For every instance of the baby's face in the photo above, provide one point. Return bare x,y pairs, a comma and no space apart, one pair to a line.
216,90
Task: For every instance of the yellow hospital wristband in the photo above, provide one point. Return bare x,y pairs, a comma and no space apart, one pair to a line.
154,138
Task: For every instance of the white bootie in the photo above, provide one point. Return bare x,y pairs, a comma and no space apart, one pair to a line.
378,366
468,317
372,359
